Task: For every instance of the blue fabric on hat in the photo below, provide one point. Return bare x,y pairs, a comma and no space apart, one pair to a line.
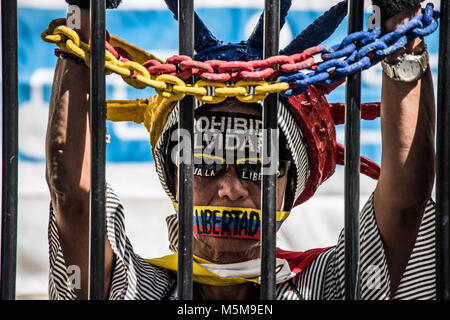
256,38
203,37
251,49
207,46
320,30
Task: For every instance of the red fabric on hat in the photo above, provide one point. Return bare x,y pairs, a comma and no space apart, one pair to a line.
327,88
299,261
313,114
317,120
369,111
367,166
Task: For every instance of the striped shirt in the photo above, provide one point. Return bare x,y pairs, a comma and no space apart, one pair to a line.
135,279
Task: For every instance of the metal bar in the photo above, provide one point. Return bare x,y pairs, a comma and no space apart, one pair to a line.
443,159
270,158
352,164
186,177
98,146
9,150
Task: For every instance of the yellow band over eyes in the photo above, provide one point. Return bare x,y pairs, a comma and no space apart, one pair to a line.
252,160
208,156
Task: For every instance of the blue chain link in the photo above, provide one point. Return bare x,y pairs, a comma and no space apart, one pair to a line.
361,50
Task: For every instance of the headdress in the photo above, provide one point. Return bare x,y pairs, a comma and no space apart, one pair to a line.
307,121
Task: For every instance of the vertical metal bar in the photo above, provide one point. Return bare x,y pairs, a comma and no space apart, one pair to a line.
270,158
443,158
186,177
352,163
9,150
98,146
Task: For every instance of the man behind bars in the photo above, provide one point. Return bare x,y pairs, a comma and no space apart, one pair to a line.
397,230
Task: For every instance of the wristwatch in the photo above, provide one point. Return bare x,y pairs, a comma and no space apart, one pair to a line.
407,68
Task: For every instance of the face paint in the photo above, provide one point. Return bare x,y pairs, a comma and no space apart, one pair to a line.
230,222
247,169
211,128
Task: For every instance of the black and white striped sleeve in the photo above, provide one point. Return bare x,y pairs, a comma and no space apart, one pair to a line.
133,277
418,280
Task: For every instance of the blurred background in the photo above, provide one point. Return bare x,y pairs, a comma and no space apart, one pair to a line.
130,167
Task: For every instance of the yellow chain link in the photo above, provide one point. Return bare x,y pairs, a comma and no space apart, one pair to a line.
171,82
272,88
254,97
167,86
212,99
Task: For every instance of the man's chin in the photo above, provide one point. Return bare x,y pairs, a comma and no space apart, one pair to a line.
226,250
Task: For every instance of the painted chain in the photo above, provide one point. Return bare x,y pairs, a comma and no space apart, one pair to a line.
246,80
360,51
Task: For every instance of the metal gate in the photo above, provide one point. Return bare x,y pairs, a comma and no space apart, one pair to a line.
186,115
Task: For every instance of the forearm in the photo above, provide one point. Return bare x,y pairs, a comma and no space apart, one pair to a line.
407,127
407,168
68,158
68,162
407,164
68,136
407,122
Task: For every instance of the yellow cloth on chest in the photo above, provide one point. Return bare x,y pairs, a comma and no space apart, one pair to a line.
201,274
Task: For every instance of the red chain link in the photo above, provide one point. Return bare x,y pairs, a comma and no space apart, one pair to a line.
124,54
221,71
112,50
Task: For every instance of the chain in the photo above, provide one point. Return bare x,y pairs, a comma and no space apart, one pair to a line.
360,51
165,77
246,80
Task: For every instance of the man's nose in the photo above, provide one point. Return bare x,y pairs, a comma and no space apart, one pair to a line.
231,186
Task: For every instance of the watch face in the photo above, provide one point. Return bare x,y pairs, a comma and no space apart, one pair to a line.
409,70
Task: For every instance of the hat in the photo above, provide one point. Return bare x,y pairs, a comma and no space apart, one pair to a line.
306,121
